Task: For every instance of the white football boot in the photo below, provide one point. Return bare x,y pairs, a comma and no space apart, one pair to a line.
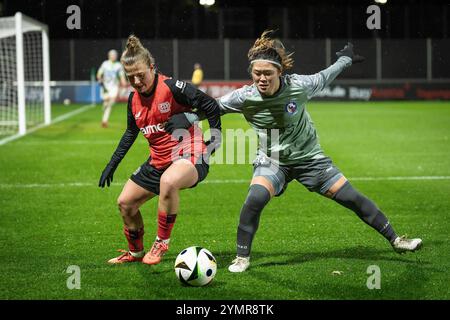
240,264
403,244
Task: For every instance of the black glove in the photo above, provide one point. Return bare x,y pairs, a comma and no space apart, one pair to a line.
214,142
177,121
107,175
348,52
211,148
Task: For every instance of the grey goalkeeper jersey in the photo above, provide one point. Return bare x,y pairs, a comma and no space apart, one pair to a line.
285,130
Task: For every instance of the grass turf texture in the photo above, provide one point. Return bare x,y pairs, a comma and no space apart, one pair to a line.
49,222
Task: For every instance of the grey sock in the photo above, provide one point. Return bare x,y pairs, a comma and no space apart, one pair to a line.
365,209
257,198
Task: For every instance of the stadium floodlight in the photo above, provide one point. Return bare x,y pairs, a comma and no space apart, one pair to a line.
381,1
207,3
24,75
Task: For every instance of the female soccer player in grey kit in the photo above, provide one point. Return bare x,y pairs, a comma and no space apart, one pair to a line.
274,105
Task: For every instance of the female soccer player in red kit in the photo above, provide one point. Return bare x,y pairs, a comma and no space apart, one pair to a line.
174,164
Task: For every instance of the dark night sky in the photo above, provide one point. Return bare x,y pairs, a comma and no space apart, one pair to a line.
186,19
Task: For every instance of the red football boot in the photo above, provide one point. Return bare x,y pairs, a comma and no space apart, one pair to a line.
156,253
124,258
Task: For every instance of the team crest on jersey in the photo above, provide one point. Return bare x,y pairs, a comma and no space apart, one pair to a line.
291,108
164,107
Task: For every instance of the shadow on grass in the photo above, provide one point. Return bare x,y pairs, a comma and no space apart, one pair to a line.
407,281
291,257
359,253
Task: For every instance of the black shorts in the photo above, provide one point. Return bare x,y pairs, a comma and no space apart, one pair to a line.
148,177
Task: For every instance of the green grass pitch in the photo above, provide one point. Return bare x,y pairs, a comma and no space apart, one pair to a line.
53,215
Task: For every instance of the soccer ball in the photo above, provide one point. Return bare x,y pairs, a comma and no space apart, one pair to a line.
66,102
195,266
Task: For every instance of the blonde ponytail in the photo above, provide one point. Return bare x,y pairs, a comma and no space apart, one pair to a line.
135,52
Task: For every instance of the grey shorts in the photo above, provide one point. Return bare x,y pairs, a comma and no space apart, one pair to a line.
317,175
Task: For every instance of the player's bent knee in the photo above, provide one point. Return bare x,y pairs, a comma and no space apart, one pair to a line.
125,206
168,185
257,197
265,182
255,201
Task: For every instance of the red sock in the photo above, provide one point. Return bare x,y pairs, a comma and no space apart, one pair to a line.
165,224
135,239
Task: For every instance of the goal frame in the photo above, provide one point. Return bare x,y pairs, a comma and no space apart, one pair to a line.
24,24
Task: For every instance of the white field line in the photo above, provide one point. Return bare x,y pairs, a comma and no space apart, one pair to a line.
56,120
217,181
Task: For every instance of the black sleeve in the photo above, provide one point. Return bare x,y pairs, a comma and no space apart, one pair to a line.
186,94
128,138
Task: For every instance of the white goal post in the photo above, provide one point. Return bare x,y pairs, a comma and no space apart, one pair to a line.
24,75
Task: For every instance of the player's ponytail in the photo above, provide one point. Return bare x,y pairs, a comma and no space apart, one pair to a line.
135,52
272,50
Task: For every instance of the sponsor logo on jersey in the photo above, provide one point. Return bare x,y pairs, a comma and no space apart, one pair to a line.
164,107
152,128
291,108
137,115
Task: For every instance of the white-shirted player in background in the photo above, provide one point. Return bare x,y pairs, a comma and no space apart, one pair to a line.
110,75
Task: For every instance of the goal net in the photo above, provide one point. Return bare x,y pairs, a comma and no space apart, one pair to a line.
24,75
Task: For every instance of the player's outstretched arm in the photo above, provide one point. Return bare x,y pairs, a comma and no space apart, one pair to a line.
187,94
125,144
182,120
313,84
186,119
229,103
348,52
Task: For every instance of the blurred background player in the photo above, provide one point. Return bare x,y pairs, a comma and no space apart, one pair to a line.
276,102
110,76
197,75
174,164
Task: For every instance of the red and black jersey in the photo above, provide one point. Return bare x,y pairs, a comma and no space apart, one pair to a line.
148,114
